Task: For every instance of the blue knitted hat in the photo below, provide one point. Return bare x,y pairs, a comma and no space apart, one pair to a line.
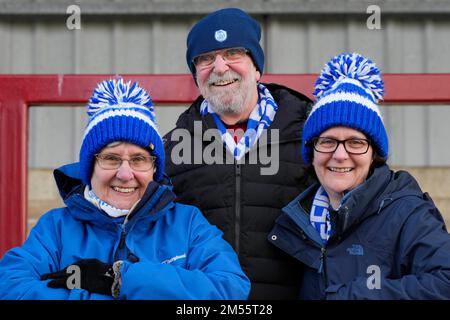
120,111
347,91
225,28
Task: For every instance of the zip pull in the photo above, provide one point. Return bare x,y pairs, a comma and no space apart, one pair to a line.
123,233
121,242
238,170
322,257
345,213
382,204
122,239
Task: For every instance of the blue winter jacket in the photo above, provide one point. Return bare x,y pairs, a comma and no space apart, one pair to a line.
170,251
388,241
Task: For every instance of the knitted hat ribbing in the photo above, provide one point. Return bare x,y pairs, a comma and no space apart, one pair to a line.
347,91
120,111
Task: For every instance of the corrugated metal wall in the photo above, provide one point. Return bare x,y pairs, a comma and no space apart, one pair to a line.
293,44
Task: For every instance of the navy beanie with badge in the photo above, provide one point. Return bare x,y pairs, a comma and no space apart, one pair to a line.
347,91
120,111
222,29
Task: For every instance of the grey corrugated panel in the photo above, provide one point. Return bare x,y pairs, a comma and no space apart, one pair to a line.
133,49
293,45
167,117
151,46
169,41
55,133
407,125
398,47
407,132
21,47
305,45
54,136
96,51
5,40
184,7
437,45
439,133
286,46
54,49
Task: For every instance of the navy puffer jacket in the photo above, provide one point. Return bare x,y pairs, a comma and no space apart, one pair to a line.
388,241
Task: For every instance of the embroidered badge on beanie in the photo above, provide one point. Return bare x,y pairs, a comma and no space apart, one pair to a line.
120,111
220,35
347,91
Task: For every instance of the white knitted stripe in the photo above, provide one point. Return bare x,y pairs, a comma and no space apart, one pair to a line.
101,106
344,79
348,97
119,113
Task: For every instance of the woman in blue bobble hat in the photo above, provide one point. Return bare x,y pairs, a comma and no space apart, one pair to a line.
363,231
121,236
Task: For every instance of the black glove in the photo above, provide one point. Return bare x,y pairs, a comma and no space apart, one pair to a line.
95,276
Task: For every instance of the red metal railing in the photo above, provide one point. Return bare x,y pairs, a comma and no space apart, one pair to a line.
18,92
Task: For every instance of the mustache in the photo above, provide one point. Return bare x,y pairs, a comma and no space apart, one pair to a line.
227,76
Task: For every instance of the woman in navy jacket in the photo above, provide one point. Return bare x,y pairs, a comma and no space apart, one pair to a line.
121,235
364,231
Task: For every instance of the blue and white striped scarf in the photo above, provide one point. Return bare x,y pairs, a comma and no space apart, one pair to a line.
320,215
111,211
260,118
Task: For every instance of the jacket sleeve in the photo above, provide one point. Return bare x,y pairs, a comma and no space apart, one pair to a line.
22,267
212,271
424,254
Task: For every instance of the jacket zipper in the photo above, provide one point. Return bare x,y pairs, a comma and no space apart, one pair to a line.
123,235
323,251
237,204
322,267
322,258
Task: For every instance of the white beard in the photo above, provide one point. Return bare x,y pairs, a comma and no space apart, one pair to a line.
229,101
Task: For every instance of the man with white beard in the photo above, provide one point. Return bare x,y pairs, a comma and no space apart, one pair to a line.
250,118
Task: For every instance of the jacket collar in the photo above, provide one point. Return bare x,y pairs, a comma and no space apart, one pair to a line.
156,198
380,190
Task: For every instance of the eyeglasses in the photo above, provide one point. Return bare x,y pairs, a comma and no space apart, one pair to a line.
231,55
113,162
330,145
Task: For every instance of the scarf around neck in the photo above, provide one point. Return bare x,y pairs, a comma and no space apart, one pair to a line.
320,214
260,118
111,211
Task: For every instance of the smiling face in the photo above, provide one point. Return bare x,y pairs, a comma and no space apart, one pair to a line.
340,171
122,187
230,88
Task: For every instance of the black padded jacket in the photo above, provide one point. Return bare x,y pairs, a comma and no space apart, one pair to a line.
242,199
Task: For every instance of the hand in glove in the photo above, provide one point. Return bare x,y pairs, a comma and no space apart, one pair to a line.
94,276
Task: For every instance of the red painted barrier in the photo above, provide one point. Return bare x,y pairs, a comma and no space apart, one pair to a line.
18,92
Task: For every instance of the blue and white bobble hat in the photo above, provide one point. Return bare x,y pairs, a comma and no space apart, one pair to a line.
347,92
120,111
